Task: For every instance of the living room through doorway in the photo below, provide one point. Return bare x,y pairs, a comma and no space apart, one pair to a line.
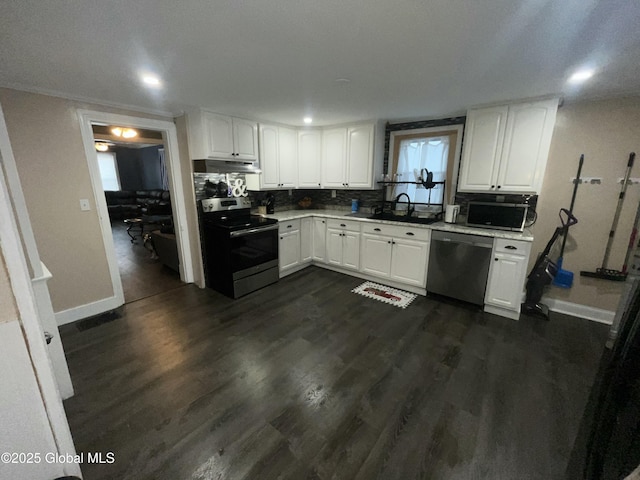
137,192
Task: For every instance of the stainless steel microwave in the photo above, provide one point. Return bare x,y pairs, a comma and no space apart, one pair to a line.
501,216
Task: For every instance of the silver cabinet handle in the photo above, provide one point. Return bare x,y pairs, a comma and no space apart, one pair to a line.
511,247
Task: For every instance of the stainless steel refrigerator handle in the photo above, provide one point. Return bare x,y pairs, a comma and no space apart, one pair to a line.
243,233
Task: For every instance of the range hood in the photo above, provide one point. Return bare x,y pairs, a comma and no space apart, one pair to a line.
208,165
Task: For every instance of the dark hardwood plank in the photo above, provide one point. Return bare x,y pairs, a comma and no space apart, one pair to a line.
304,379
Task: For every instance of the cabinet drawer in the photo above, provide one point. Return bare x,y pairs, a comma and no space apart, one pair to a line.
289,226
343,224
512,247
396,231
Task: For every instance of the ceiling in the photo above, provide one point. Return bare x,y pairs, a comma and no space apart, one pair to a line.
281,60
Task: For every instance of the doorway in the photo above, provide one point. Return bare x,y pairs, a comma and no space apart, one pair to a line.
165,133
134,178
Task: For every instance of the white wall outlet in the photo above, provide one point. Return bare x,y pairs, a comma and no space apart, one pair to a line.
84,205
587,180
631,181
333,194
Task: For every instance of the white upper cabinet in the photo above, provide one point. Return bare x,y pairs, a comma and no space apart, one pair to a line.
334,157
360,156
278,159
245,139
506,147
309,158
288,157
348,157
221,137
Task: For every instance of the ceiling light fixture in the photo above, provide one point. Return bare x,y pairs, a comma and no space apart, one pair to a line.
307,120
580,76
150,80
124,132
102,147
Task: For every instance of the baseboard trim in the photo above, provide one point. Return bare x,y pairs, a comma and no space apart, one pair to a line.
576,310
88,310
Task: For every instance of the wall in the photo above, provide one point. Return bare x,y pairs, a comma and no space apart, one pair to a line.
606,131
45,136
8,310
138,168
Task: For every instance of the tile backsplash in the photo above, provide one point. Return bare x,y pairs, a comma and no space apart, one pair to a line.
322,199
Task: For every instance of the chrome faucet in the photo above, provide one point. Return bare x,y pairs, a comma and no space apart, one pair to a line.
409,209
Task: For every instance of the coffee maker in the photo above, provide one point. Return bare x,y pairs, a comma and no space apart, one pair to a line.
270,202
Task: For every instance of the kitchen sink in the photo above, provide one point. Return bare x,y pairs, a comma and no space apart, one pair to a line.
402,218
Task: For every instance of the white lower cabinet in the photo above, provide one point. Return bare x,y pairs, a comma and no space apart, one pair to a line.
376,255
507,275
343,243
289,246
319,239
306,239
397,253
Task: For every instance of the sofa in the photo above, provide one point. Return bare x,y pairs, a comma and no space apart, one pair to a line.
124,204
166,248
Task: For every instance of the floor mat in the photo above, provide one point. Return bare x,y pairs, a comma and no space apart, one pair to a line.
385,294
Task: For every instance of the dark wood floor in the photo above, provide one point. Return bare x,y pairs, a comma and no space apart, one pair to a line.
305,380
141,274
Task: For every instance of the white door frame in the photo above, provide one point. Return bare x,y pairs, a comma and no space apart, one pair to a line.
172,158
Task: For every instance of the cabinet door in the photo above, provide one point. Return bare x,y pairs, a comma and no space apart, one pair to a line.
334,246
360,156
269,156
526,146
409,262
351,250
506,278
376,255
306,239
289,255
218,131
245,139
483,139
288,157
319,239
309,158
334,150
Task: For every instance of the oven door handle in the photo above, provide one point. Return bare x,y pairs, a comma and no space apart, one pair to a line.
251,231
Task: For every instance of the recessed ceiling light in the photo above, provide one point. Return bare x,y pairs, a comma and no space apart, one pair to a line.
101,146
150,80
307,120
580,76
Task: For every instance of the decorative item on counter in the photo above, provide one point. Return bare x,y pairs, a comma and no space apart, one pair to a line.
354,205
262,210
239,189
305,202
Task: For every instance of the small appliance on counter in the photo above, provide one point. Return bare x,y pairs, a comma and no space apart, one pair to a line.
451,213
270,202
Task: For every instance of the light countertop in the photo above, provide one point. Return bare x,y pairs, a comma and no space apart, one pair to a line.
286,215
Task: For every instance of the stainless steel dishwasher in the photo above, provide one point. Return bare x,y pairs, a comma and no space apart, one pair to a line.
459,265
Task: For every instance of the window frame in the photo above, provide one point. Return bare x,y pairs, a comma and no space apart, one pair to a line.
455,151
